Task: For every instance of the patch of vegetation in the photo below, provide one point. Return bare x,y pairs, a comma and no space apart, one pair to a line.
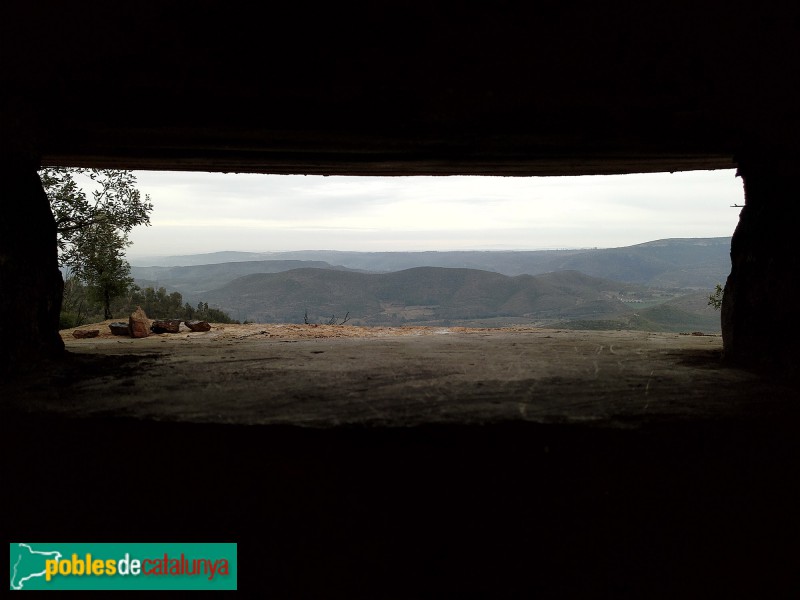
80,306
715,299
670,318
658,318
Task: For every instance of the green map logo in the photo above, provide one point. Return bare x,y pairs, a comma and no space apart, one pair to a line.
120,566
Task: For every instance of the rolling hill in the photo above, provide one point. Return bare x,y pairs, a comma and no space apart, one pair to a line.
433,296
193,281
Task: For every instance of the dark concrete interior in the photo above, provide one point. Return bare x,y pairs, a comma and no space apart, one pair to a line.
550,88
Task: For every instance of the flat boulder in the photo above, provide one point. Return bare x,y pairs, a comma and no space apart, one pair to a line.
166,326
138,323
198,325
120,328
80,334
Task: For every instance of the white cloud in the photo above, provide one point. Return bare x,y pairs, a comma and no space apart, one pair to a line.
207,212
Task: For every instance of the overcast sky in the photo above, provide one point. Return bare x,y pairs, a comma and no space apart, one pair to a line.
209,212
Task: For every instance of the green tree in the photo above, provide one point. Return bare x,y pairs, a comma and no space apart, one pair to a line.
99,251
93,233
115,201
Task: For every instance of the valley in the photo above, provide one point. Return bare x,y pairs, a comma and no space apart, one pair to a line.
656,286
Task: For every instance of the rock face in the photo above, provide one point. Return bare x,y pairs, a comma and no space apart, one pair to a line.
30,283
198,325
120,328
759,320
139,324
80,334
166,326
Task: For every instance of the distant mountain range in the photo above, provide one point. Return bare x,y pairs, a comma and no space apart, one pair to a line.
679,263
661,285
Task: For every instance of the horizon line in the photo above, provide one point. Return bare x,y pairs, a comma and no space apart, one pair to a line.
536,249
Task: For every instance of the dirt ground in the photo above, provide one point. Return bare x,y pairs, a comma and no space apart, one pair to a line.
348,462
332,375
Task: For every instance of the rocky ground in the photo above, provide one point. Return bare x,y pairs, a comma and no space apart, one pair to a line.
418,462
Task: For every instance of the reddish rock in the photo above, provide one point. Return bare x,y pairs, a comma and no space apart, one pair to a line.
139,324
166,326
198,325
120,328
85,333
